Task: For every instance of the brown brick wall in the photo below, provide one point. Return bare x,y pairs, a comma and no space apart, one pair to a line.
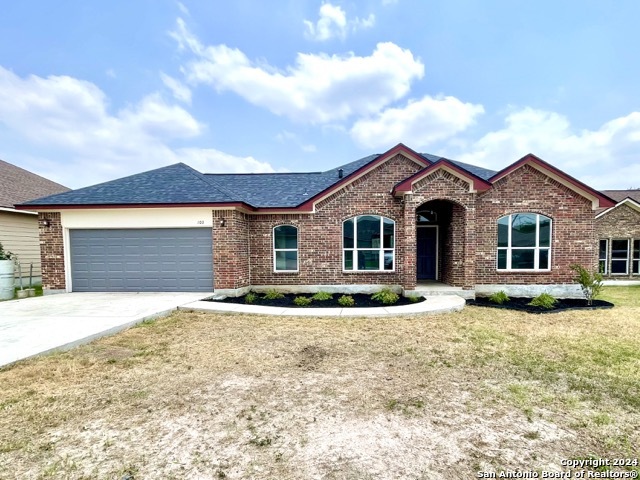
51,251
527,190
622,222
230,249
320,234
457,257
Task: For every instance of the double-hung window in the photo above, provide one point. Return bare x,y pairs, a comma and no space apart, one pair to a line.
635,269
368,243
620,257
285,248
524,242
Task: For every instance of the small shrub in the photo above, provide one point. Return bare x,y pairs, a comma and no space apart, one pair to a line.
414,298
346,301
5,254
322,296
543,300
385,296
250,298
302,301
273,295
499,297
590,283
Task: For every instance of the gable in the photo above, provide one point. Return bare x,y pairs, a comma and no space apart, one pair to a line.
596,198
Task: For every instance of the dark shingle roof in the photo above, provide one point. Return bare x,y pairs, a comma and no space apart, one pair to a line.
619,195
181,184
18,185
282,189
177,183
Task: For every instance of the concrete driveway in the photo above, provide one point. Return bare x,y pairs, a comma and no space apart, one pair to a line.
33,326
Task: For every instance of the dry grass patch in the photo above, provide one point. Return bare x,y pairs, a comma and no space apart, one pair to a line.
230,396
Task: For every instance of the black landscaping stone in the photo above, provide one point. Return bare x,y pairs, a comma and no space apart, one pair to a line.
362,301
521,304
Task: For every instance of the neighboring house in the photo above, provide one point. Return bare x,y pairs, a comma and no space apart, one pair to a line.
400,218
618,232
19,228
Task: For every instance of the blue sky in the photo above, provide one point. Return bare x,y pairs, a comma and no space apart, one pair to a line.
92,91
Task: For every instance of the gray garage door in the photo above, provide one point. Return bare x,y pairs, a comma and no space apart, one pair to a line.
142,260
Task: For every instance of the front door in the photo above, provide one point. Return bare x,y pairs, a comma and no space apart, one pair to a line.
427,255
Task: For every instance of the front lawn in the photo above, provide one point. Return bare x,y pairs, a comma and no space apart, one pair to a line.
237,396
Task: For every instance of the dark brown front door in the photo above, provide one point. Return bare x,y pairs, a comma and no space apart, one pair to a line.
427,254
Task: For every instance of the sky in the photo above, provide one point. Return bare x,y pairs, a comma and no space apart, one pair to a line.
93,91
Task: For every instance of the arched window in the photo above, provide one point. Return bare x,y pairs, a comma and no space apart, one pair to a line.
524,242
368,243
285,248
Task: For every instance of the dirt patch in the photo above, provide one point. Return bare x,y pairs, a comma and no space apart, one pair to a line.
230,396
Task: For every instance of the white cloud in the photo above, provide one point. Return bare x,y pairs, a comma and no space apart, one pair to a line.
288,137
606,157
420,123
70,119
332,23
183,8
209,160
111,73
180,90
317,89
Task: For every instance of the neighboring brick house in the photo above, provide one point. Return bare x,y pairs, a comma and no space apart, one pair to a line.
618,232
19,228
400,218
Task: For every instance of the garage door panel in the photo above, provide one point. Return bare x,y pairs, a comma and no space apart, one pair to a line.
141,260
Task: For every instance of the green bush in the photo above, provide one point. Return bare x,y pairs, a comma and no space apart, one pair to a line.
346,301
414,298
250,298
590,283
499,297
322,296
385,296
5,254
302,301
273,295
543,300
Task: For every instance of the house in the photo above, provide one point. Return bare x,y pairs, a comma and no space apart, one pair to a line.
400,218
19,228
618,233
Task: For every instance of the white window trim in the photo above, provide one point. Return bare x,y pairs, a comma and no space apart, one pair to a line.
537,248
626,260
273,242
606,256
633,259
381,249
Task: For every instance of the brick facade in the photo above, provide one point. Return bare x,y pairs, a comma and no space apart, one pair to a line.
51,251
572,232
243,242
320,233
619,223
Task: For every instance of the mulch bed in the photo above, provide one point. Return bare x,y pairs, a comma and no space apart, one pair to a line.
561,305
362,301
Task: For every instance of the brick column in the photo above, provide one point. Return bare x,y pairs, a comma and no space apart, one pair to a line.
51,251
408,250
230,250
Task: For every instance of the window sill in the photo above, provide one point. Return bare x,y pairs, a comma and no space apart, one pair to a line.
540,272
368,271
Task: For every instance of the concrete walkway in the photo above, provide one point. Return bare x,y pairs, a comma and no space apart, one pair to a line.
33,326
435,304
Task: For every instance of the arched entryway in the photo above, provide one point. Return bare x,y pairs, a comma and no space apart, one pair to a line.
440,237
